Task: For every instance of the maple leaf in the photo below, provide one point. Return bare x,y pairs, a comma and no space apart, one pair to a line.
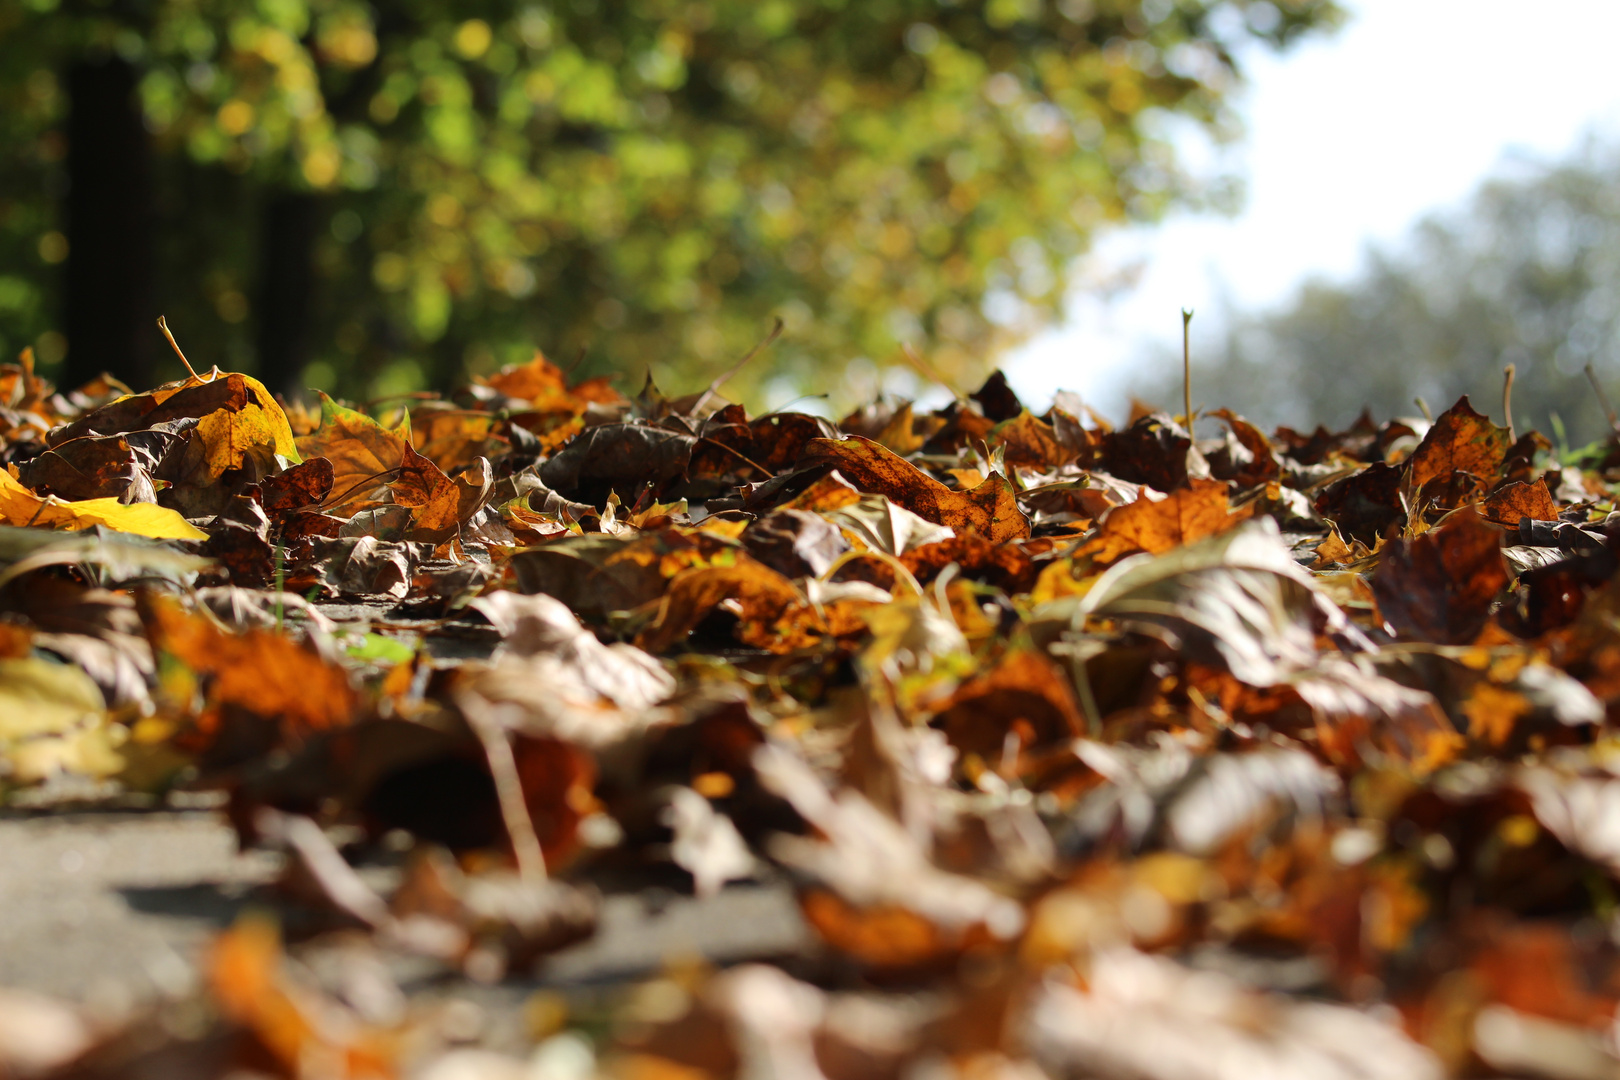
990,509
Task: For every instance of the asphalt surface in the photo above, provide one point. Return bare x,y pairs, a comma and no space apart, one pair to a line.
111,910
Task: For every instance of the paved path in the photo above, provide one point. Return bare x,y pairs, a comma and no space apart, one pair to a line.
111,910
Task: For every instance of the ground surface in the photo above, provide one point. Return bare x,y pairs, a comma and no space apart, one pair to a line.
111,910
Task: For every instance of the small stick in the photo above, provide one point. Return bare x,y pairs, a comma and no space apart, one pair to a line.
1603,399
175,345
531,859
714,387
1507,400
1423,407
1186,367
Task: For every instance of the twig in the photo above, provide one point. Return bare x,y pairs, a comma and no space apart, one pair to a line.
714,387
531,859
1603,399
175,345
1186,367
1507,400
1423,407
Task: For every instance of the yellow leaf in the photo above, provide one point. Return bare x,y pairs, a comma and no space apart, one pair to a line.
237,416
53,719
19,506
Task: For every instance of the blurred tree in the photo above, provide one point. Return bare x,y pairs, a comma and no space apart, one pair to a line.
1528,273
397,191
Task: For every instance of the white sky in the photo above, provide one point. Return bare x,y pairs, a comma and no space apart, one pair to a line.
1351,139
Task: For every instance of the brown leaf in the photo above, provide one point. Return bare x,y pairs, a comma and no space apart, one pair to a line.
1154,450
1030,442
1190,514
1024,692
365,456
623,458
1508,505
1365,505
259,687
765,596
434,499
304,485
996,399
990,509
1440,586
1461,440
544,386
451,438
1251,460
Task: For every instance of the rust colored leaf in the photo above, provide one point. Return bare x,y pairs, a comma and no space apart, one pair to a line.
544,386
1509,505
1461,440
451,438
991,509
1365,505
1192,513
365,456
434,499
303,485
1031,442
765,596
1251,460
1154,450
1024,694
262,687
1440,586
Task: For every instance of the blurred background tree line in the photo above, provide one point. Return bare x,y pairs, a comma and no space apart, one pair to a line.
373,197
1526,273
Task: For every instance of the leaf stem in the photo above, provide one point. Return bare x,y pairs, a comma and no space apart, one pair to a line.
1186,367
1507,399
1603,399
175,345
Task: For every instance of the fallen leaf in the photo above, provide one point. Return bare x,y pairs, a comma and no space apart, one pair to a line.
1440,586
365,456
990,509
1185,516
1510,504
52,719
1461,440
1365,505
19,506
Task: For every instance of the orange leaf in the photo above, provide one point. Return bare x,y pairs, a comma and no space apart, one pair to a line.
1507,505
990,509
257,674
1461,440
1191,513
765,595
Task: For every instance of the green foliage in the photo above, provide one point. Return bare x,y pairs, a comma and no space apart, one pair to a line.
1528,273
652,177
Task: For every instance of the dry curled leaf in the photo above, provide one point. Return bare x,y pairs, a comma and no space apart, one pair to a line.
990,509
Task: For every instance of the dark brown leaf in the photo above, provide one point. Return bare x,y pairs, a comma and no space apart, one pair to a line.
1440,586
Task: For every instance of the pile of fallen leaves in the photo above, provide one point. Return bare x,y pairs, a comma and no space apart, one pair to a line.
1088,751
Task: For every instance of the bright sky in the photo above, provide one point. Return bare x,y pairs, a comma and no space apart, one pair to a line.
1351,139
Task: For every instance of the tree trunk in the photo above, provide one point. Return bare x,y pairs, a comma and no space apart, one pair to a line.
108,317
286,289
